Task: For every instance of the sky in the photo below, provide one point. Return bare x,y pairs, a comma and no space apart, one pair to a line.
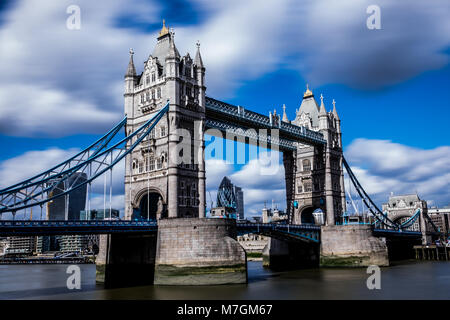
60,89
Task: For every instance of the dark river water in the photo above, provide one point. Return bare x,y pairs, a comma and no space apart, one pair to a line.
404,280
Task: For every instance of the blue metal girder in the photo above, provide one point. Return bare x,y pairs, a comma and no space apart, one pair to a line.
36,193
306,233
65,227
219,111
388,233
65,166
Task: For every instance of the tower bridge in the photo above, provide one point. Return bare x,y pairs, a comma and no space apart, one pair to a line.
167,114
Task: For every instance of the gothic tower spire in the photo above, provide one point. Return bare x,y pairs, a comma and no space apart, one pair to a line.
131,70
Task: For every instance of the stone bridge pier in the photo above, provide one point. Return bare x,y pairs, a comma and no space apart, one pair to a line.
185,251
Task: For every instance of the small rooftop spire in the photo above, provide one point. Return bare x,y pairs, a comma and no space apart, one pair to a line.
164,29
285,118
334,110
322,110
308,93
173,52
131,70
198,58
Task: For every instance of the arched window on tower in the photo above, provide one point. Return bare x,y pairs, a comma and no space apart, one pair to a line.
306,165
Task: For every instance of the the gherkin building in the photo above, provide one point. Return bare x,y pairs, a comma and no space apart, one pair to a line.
225,196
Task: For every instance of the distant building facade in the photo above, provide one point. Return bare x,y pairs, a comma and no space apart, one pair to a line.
239,202
68,207
273,215
19,246
441,218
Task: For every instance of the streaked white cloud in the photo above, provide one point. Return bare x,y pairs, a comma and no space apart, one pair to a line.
71,81
382,167
30,163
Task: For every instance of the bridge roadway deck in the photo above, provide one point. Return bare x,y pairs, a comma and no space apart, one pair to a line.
304,232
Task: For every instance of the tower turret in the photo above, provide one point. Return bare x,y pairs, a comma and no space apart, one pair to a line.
130,81
200,75
323,117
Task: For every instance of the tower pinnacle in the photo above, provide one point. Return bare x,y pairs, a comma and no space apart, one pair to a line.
308,93
334,110
198,58
285,118
131,70
164,29
322,110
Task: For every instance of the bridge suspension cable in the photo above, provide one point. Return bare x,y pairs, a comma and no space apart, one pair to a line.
381,217
66,165
72,173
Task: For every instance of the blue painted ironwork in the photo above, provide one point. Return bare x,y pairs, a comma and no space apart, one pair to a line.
301,232
62,227
66,165
218,112
376,212
381,217
39,192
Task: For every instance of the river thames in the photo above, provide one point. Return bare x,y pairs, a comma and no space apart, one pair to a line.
403,280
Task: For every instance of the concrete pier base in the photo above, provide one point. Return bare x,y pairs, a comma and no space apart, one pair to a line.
126,260
199,251
284,255
351,246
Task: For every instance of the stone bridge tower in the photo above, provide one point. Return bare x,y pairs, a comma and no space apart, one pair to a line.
314,175
165,175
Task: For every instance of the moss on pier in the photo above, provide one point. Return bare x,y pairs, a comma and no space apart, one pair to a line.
348,261
174,271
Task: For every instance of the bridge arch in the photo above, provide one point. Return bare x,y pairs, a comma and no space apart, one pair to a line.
311,215
149,203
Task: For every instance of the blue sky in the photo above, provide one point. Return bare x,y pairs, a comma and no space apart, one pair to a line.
60,89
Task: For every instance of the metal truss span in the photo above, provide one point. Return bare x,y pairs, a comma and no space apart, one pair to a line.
300,232
77,171
224,116
66,166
